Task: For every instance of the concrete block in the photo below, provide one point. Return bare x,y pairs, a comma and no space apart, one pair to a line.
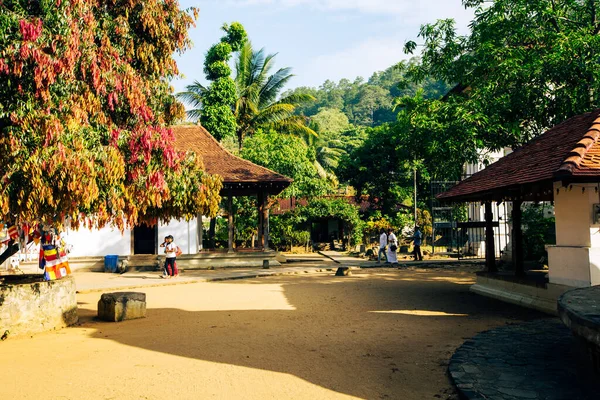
343,271
121,306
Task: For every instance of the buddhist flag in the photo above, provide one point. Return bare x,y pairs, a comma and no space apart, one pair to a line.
13,232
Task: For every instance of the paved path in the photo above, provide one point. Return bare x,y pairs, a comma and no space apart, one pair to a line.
345,259
101,281
537,360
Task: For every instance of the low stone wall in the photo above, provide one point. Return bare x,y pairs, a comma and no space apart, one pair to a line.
542,298
579,309
30,305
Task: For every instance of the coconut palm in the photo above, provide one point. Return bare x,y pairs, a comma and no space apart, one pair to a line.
328,148
258,104
193,97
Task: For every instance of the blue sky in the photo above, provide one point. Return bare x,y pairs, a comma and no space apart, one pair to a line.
319,39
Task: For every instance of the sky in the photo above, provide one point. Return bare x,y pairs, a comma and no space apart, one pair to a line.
319,39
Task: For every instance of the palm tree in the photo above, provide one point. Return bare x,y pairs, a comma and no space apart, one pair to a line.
328,148
258,105
193,97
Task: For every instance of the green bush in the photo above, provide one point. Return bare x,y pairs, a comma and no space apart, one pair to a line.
538,231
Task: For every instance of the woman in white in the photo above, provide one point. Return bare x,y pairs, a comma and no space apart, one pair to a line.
392,247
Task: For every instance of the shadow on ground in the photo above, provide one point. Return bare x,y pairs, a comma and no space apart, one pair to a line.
375,334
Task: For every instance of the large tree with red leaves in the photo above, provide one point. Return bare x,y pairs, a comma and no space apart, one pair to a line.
84,106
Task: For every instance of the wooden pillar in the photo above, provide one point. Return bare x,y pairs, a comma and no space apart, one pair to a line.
230,223
200,234
490,250
261,224
517,238
265,212
212,227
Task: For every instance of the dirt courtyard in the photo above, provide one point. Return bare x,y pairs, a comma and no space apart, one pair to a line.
378,334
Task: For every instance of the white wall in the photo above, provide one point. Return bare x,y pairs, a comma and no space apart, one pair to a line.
184,235
109,240
99,242
575,260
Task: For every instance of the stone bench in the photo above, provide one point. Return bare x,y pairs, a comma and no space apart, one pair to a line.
579,309
121,306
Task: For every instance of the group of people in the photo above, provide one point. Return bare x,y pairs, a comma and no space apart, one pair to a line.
388,246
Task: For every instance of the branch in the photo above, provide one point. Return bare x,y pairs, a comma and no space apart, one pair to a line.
13,248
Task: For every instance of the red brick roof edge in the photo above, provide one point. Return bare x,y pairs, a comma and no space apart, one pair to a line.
570,150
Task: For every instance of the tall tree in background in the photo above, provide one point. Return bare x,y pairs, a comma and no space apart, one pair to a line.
213,105
84,102
526,65
258,104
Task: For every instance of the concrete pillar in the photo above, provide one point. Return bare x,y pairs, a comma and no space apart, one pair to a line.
490,251
575,260
517,238
230,223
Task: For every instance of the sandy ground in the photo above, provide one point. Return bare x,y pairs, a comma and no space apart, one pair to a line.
378,334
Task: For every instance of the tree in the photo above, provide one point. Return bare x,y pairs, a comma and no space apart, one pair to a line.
213,106
289,156
84,102
525,66
257,105
380,169
329,120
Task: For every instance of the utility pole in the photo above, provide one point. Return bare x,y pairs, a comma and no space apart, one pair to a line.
415,176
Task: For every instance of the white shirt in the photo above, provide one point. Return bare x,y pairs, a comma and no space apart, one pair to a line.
392,239
383,240
171,250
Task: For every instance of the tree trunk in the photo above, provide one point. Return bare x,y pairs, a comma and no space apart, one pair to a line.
13,248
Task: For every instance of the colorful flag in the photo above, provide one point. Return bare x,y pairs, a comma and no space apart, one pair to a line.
13,232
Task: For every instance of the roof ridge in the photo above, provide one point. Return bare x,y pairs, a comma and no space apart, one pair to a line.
211,137
575,156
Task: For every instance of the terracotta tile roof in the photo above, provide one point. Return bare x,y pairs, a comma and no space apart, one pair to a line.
570,150
286,205
217,160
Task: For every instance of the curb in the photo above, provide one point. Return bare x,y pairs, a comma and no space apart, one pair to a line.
205,280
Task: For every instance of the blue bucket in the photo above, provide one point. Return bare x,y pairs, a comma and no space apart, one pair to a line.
110,263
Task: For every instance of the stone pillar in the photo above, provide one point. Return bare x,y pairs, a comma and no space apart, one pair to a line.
575,259
230,223
490,250
265,210
261,225
517,238
200,233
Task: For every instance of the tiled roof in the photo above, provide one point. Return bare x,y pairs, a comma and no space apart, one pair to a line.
286,205
217,160
570,150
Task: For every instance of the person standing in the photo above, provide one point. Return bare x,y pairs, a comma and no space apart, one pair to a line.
418,239
383,239
171,257
392,247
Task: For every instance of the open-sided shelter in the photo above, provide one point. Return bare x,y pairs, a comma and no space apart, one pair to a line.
562,165
240,177
140,245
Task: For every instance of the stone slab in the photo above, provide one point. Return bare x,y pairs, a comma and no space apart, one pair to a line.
535,360
122,306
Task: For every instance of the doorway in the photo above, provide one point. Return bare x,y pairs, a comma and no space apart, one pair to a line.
145,239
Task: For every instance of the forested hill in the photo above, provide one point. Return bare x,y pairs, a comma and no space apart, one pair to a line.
368,103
